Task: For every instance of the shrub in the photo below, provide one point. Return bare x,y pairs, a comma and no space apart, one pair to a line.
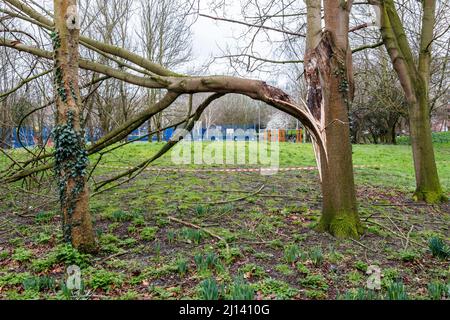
205,262
360,294
241,290
361,266
209,289
44,216
121,216
408,255
70,256
390,275
252,270
437,290
315,294
39,283
102,279
43,238
192,235
182,266
22,255
396,291
13,279
284,269
171,235
231,254
354,277
438,137
316,256
291,253
438,248
302,268
201,210
4,255
281,290
149,233
314,281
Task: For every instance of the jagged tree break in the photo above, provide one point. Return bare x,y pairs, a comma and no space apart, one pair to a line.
70,154
328,72
329,128
414,77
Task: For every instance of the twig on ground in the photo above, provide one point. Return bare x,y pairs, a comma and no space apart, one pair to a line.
5,222
407,237
363,245
115,255
395,233
398,229
404,204
212,234
237,199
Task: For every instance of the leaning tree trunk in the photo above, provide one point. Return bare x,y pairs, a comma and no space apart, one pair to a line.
71,157
415,83
330,90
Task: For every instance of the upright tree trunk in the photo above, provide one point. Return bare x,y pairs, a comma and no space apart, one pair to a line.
415,83
71,157
428,187
330,90
151,101
158,126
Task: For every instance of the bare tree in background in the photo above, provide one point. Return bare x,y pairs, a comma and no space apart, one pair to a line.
166,40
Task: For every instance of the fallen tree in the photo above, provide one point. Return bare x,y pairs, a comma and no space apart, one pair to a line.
330,133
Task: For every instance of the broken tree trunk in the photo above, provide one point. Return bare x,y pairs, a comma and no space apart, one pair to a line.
330,90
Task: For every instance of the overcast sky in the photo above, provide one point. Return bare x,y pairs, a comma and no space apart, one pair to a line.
211,38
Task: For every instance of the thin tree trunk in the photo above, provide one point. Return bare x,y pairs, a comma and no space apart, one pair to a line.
71,157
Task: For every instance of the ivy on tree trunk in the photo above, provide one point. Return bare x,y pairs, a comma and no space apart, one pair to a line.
70,153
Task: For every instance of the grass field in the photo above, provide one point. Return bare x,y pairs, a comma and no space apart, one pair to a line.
231,235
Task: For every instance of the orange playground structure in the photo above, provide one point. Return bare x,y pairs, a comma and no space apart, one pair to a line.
281,135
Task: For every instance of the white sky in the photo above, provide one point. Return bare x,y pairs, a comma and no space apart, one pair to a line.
211,38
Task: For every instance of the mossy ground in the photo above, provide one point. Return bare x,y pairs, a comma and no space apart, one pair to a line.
271,235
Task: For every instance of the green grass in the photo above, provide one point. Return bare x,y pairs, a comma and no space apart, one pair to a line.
390,165
393,161
438,137
266,247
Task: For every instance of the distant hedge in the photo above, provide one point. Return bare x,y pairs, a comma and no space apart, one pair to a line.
438,137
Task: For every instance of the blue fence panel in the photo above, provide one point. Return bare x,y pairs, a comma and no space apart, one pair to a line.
28,139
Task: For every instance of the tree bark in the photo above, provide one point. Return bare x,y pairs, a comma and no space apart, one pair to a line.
328,71
415,83
71,156
428,187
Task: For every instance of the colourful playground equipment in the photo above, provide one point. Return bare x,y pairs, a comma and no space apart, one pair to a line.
282,135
